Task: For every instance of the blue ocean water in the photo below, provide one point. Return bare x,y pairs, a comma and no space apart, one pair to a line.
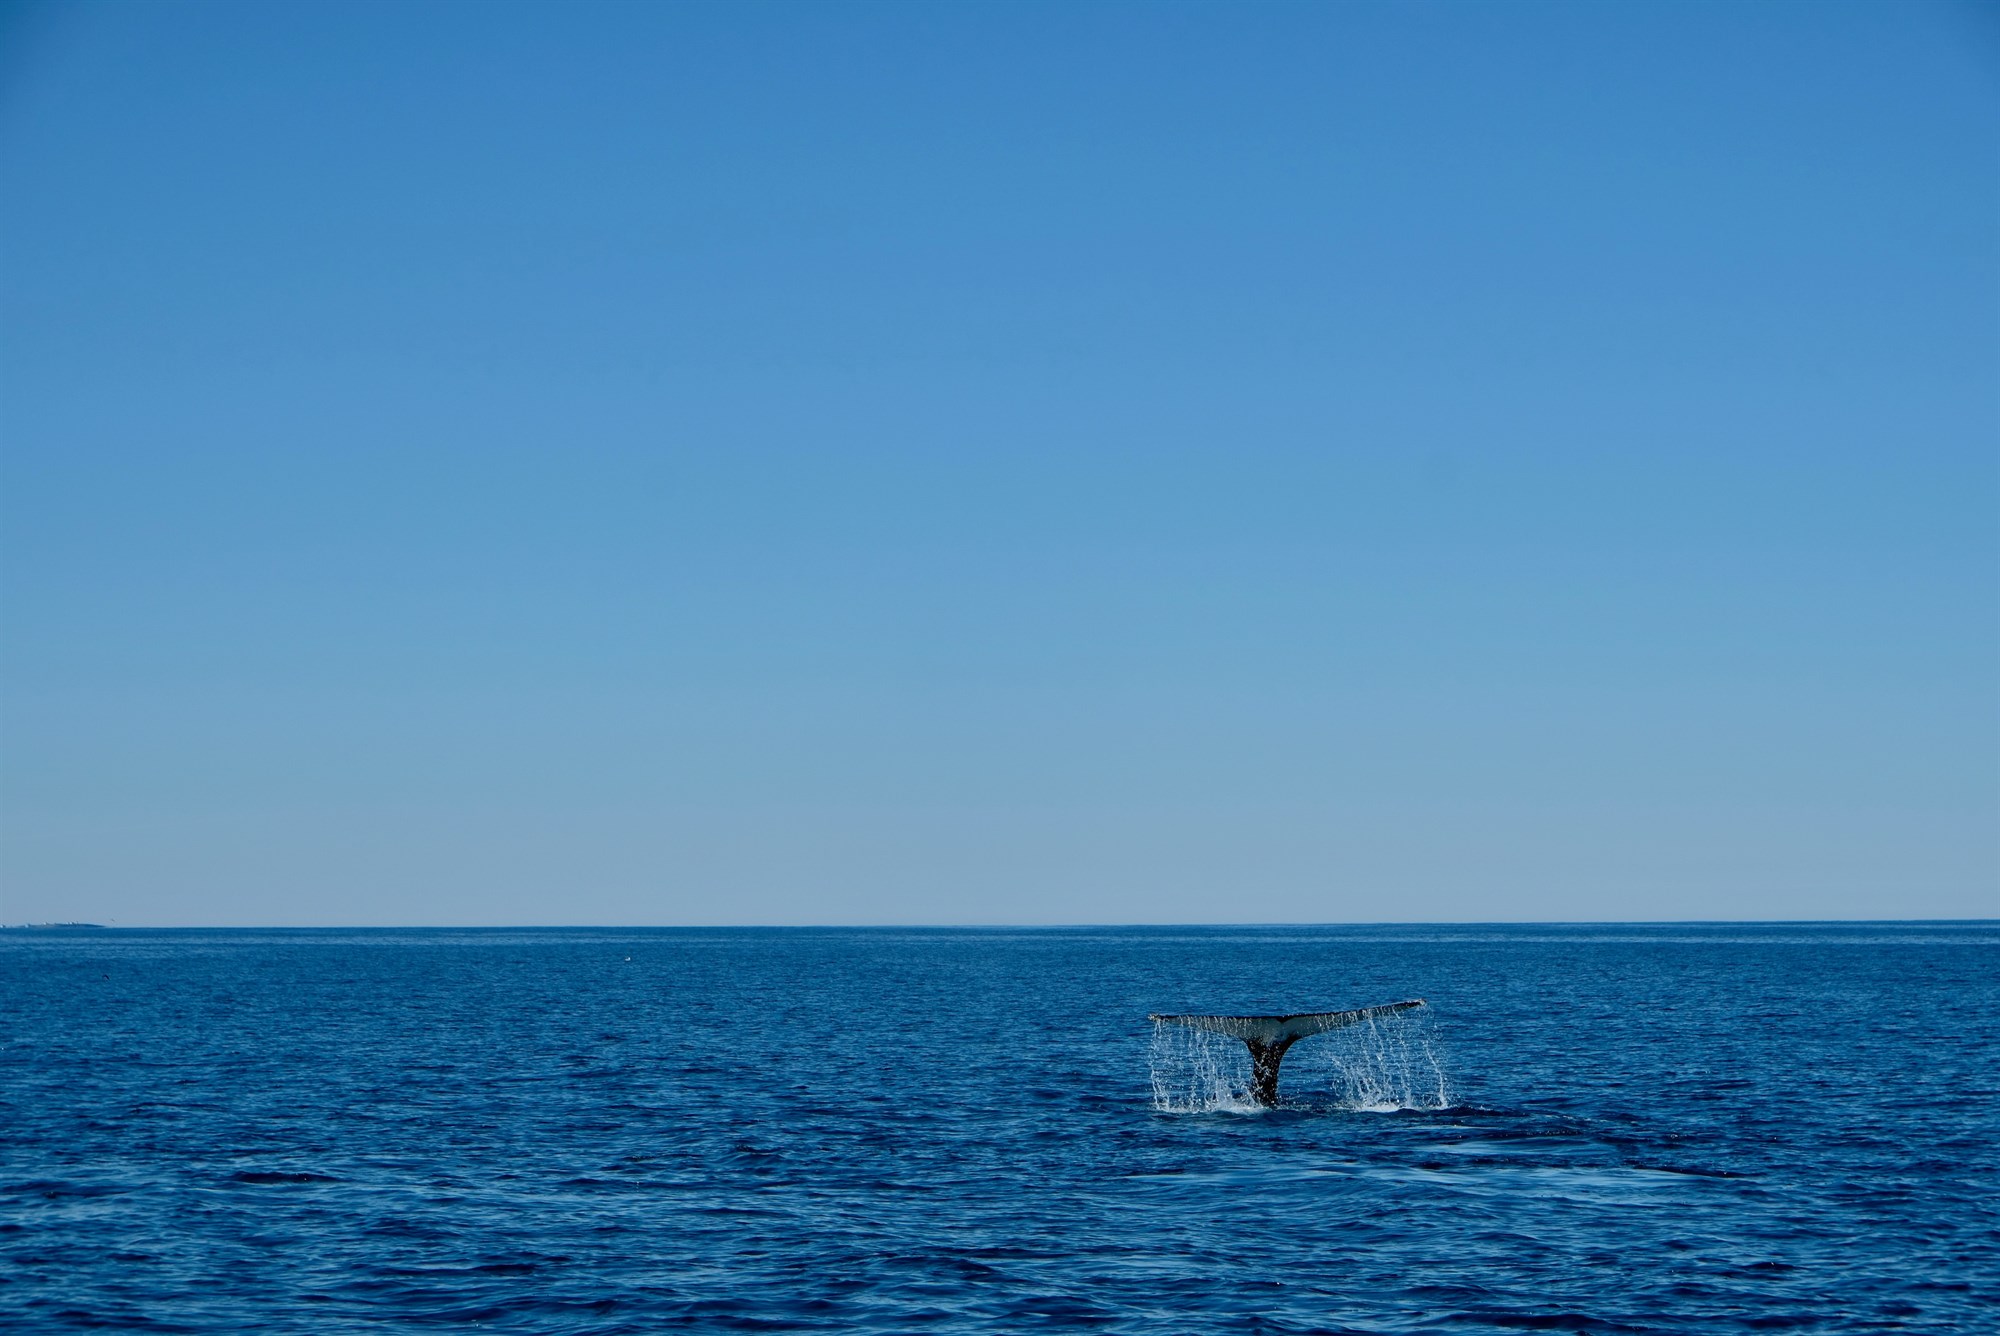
1590,1129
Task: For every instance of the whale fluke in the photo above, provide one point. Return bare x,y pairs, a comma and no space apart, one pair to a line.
1269,1036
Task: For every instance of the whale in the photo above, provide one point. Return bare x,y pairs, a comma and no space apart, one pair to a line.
1268,1037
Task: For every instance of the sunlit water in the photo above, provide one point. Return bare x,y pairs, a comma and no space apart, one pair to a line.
1685,1129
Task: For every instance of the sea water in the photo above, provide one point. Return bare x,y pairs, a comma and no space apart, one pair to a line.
1590,1129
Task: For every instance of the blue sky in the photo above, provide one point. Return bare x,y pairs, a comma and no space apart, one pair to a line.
999,463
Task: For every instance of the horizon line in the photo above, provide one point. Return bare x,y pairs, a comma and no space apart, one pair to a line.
114,926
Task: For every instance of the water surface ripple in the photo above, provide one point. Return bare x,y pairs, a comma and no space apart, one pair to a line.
1645,1129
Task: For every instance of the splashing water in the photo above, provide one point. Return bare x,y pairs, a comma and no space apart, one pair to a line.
1195,1071
1382,1065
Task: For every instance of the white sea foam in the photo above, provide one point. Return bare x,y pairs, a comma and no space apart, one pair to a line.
1383,1065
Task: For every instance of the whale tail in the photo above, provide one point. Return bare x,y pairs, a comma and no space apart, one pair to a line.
1268,1037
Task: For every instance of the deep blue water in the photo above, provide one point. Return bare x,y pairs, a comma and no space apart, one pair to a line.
1670,1128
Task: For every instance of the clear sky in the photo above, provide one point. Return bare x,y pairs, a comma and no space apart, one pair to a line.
469,463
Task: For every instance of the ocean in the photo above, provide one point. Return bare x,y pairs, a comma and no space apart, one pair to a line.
1590,1128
